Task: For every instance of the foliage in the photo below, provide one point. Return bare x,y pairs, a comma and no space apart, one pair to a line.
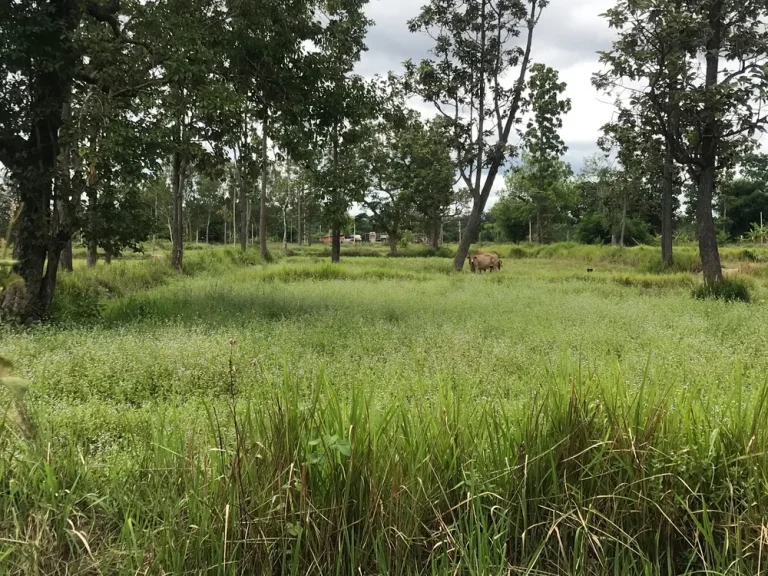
729,290
707,111
541,192
467,81
411,168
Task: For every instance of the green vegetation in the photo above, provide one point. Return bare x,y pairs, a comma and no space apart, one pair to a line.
388,416
729,290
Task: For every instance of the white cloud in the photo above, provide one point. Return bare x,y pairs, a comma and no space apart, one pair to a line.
568,37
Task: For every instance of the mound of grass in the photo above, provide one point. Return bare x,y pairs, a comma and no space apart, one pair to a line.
80,294
729,290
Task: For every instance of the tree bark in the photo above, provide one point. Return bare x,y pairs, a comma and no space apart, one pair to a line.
708,251
299,227
392,244
92,254
666,207
179,181
66,257
434,236
107,256
30,249
285,228
243,216
32,162
263,197
538,226
470,233
336,245
48,289
208,228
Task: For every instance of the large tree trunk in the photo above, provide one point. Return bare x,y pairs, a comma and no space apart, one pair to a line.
263,196
708,251
107,255
179,181
92,254
392,244
480,196
538,227
710,256
667,194
434,233
30,247
67,260
48,288
470,233
336,245
32,162
234,216
65,203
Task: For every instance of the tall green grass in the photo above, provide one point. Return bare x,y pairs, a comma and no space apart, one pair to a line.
387,416
82,294
583,476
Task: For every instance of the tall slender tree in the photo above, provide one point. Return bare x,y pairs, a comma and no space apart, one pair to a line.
473,57
339,114
701,66
40,60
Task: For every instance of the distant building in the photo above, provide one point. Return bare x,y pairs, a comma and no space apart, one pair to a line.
372,237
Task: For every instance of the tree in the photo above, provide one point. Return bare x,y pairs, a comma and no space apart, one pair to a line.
284,195
543,185
40,61
543,177
339,115
411,168
465,81
742,201
718,104
210,197
192,100
269,70
431,178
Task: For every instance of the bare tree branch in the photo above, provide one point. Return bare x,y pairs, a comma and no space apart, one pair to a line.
105,13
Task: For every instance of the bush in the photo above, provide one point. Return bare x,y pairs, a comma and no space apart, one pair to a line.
592,230
729,290
517,253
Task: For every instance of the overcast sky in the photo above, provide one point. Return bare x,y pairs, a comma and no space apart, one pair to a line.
569,35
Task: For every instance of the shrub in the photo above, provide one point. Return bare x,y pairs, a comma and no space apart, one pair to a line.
729,290
518,253
444,252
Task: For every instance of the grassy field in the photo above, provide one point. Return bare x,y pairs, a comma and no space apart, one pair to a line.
389,416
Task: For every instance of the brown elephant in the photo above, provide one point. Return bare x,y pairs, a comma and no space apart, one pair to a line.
481,262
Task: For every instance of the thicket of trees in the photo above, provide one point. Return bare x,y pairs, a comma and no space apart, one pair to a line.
229,121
